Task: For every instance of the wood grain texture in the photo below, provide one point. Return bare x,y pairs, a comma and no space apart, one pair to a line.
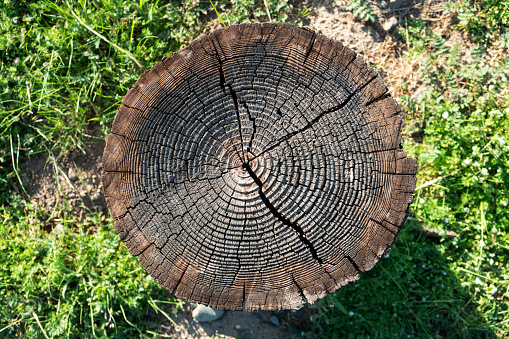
258,168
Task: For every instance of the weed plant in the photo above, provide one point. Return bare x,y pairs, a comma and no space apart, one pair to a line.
240,11
304,11
361,9
487,20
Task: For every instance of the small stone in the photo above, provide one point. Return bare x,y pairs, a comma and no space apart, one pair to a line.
205,314
72,174
96,197
384,5
390,23
274,320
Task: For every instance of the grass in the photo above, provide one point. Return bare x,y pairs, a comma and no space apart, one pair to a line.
77,281
60,83
361,9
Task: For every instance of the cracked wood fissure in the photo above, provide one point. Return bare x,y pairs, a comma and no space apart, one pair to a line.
257,180
278,215
259,168
315,120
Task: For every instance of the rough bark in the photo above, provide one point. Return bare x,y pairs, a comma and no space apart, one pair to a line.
258,168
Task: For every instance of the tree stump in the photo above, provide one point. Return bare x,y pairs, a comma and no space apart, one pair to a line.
258,168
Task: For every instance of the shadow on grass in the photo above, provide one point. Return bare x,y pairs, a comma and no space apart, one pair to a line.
411,293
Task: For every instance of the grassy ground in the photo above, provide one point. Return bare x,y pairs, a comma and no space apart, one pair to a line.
61,83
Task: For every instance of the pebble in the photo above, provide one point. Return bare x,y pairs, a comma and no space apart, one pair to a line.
71,174
205,314
390,23
96,197
274,320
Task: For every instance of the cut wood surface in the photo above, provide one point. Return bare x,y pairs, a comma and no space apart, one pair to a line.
258,168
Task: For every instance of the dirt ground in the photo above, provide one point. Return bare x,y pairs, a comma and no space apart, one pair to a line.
74,179
248,325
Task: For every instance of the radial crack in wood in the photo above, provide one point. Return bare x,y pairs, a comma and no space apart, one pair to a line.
278,215
259,168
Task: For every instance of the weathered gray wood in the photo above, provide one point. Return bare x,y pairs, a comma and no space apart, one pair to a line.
259,167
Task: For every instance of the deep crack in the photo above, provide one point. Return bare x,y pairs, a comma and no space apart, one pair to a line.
223,84
354,264
250,146
236,103
280,217
312,122
310,47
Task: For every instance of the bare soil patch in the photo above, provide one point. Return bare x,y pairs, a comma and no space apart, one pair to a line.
248,325
72,181
381,49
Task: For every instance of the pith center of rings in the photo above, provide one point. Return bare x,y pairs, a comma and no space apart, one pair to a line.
244,176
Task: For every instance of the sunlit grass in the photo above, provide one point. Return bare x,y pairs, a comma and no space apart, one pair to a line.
78,280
